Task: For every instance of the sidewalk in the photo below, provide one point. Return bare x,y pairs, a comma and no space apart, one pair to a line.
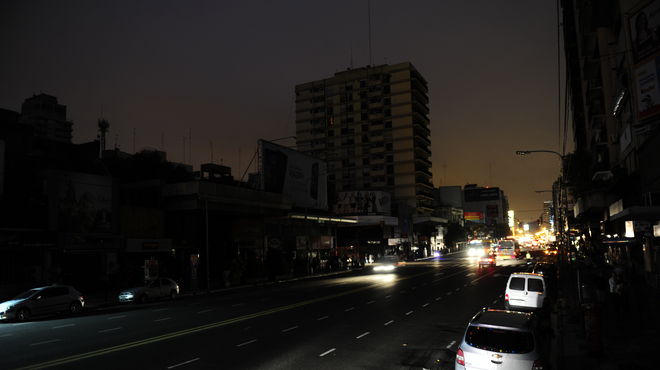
595,335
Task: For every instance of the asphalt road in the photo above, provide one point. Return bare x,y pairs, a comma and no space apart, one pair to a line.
409,319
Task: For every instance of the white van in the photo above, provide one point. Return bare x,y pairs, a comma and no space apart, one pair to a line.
525,290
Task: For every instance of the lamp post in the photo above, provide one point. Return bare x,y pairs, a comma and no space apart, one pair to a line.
562,194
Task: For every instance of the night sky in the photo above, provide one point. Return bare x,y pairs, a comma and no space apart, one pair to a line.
226,71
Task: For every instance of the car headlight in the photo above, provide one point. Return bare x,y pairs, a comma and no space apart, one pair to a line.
127,294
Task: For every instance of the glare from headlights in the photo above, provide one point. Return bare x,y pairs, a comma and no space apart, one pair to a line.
384,268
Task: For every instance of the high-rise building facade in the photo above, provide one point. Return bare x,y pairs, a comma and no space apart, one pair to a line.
47,118
371,126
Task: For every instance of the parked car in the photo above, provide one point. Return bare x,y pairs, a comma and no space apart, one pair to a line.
42,301
155,289
501,339
525,290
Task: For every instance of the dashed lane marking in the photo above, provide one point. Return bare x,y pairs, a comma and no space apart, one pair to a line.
388,296
246,343
451,344
408,313
162,319
327,352
111,329
205,311
289,329
362,335
349,309
425,304
116,317
183,363
389,322
46,342
63,326
322,318
370,302
438,298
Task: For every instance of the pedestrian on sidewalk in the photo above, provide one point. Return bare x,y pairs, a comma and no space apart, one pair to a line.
616,294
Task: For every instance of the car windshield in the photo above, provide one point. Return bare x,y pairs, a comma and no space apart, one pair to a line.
26,294
499,340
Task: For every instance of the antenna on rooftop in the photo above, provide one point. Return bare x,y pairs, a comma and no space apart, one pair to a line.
104,126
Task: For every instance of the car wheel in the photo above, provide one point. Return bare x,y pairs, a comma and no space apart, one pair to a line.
172,294
75,308
23,314
143,298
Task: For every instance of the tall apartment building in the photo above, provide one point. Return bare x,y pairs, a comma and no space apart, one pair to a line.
47,118
371,125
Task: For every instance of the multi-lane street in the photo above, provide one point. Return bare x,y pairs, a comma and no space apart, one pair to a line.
411,318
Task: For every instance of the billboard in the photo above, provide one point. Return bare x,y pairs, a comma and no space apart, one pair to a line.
301,178
84,202
363,203
473,216
481,194
644,31
648,92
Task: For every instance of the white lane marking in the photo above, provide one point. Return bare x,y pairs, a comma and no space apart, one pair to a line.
289,329
116,317
388,296
436,280
111,329
457,289
163,319
451,344
349,309
322,318
448,293
389,322
205,311
437,274
470,274
408,313
246,343
183,363
63,326
425,304
370,302
497,274
438,298
494,301
362,335
415,287
237,304
46,342
160,309
6,335
328,351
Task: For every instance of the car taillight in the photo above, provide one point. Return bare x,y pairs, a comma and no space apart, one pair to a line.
460,357
537,365
506,297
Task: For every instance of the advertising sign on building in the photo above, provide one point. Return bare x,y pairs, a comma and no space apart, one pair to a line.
644,29
363,203
84,202
648,91
300,177
473,216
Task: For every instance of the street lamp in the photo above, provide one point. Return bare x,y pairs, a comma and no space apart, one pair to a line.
562,192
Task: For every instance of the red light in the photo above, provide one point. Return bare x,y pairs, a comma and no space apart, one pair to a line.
460,357
506,297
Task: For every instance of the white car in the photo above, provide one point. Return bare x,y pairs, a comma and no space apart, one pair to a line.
42,301
157,288
525,290
500,339
386,264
